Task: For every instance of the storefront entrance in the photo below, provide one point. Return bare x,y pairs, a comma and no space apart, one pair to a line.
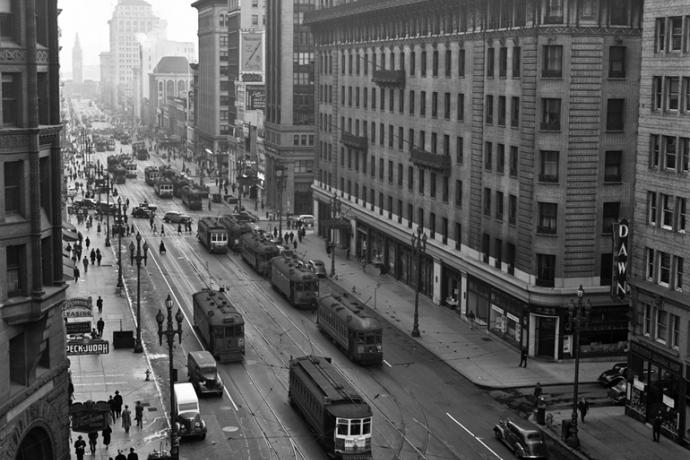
545,336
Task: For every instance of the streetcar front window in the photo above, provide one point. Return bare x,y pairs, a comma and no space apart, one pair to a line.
219,332
342,427
366,426
355,427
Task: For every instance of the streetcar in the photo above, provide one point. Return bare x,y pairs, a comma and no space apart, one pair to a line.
337,414
258,251
191,198
120,175
295,281
213,235
151,175
235,230
163,188
351,326
219,324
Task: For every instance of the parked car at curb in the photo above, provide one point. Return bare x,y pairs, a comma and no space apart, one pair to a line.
619,391
176,217
318,268
610,377
523,440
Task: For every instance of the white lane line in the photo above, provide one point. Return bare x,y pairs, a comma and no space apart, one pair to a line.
106,383
474,436
387,363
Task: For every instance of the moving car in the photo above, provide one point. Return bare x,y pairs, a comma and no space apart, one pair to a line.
176,217
203,373
306,219
610,377
87,203
317,267
141,211
523,440
618,392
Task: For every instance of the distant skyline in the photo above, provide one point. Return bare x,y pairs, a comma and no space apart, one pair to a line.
90,19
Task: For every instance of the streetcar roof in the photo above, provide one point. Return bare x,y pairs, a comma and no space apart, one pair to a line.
332,385
352,310
350,410
218,308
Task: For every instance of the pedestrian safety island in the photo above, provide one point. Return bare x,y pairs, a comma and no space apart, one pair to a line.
82,337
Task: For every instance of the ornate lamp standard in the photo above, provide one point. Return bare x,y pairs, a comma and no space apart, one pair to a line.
169,334
138,347
107,213
419,248
335,205
280,175
578,315
119,244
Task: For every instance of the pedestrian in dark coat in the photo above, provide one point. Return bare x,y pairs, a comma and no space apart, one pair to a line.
100,325
93,439
126,419
93,256
294,244
179,229
106,435
523,357
583,407
111,404
75,273
118,405
120,456
132,455
85,261
98,256
139,414
87,241
80,448
99,304
656,426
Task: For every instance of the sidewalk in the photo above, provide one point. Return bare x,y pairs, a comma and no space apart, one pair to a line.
96,377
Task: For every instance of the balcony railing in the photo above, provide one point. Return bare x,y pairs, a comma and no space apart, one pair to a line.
389,77
356,142
430,160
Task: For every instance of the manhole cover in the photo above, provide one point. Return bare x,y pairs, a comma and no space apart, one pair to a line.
486,339
230,429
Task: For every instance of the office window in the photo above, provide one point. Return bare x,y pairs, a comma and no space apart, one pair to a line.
669,149
420,217
549,166
501,110
619,12
461,107
513,160
487,201
382,104
674,326
373,98
650,263
422,139
13,174
423,64
381,163
676,30
380,203
652,209
458,193
606,269
434,104
613,165
677,273
685,96
486,247
548,215
400,174
401,139
390,136
680,214
410,138
614,115
457,235
664,269
446,144
657,94
422,103
490,58
546,270
610,216
666,202
401,101
551,114
617,61
503,61
647,324
461,63
510,258
488,155
499,205
553,61
514,112
447,62
553,12
500,158
444,189
660,34
654,150
432,184
391,99
459,150
516,61
446,106
411,104
409,215
400,211
420,181
489,109
434,63
11,91
498,252
672,93
512,209
413,63
372,163
15,259
410,178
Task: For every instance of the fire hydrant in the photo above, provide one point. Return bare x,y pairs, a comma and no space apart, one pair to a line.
148,374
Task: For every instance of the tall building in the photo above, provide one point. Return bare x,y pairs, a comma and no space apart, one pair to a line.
505,131
34,379
130,17
107,79
289,116
77,63
659,366
214,91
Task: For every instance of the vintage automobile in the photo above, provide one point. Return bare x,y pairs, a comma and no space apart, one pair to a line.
317,267
610,377
618,392
523,440
176,217
143,212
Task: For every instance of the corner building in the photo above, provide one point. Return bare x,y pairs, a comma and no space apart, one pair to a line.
660,327
505,129
34,380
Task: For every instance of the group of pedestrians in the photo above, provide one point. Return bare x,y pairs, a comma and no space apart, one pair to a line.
95,255
80,446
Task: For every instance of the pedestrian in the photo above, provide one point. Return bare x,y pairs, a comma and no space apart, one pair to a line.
179,229
523,357
126,419
111,404
106,435
80,448
87,241
470,318
118,404
209,205
93,256
132,455
162,230
100,325
294,243
99,304
75,274
275,232
120,455
292,237
656,426
85,261
538,391
583,407
98,256
93,438
139,414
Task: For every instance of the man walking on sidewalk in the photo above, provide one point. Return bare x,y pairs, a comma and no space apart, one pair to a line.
93,438
98,256
523,357
117,403
99,304
75,274
139,414
100,325
126,419
85,261
80,448
656,427
470,317
583,407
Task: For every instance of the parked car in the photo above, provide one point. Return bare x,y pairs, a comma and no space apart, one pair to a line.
106,208
318,268
244,216
619,391
146,204
87,203
523,440
142,212
176,217
609,377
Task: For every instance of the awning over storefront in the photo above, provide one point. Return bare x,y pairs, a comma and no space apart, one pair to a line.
69,232
67,267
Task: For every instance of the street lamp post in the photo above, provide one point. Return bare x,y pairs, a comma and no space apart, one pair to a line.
119,244
107,211
138,346
419,248
280,171
335,203
578,315
169,334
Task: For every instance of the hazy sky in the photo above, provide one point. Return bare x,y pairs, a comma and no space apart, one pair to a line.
90,18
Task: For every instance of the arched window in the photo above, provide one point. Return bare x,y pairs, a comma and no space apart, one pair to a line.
181,88
169,89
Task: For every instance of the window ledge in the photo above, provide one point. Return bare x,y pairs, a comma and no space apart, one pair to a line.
547,233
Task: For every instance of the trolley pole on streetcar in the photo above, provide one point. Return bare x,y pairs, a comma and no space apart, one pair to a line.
169,334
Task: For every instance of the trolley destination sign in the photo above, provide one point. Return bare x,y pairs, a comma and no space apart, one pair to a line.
87,347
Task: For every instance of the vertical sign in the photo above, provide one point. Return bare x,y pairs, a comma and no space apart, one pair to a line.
621,259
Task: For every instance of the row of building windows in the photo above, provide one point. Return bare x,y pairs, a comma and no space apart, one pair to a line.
671,94
669,153
664,269
672,34
666,211
661,326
